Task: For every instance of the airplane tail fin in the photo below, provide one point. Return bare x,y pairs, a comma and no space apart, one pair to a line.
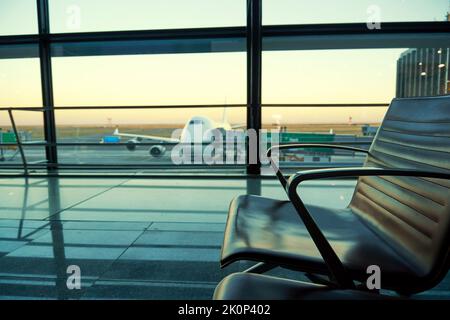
224,115
116,132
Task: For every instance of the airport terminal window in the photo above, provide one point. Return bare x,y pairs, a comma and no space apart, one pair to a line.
106,15
323,120
123,133
18,17
31,132
276,12
20,82
20,86
346,90
330,76
148,79
10,157
167,73
353,126
337,84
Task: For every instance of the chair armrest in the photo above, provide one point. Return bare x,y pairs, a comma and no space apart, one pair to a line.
331,259
277,170
314,145
301,176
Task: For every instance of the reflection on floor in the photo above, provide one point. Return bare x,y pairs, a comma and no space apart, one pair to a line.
132,239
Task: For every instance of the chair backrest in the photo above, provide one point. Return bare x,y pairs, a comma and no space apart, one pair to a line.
411,214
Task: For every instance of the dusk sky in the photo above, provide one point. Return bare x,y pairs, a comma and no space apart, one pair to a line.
331,76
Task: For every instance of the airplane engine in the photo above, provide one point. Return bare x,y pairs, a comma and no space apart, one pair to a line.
131,144
157,151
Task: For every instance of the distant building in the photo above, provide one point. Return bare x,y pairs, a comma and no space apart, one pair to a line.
424,72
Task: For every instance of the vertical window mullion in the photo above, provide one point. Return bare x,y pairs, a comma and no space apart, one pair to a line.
254,53
47,83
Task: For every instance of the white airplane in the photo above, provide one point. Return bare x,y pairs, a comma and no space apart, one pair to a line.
194,131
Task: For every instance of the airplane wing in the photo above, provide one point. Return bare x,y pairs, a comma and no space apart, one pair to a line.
34,142
148,137
239,126
24,143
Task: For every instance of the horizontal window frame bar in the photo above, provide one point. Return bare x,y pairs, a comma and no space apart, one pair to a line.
96,144
100,166
173,176
322,105
356,41
162,34
86,144
148,47
169,34
231,32
354,28
197,106
200,106
19,39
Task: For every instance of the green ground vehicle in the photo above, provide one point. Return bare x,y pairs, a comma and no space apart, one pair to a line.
6,137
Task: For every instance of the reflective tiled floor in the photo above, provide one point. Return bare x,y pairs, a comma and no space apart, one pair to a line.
132,239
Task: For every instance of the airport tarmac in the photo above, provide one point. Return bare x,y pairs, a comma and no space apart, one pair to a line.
111,154
118,155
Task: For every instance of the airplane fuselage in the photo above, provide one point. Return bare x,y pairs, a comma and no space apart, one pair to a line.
197,128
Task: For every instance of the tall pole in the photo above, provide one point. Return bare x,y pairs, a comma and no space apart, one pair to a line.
254,48
47,83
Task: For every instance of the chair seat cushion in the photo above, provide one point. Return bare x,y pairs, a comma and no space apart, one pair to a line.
268,230
248,286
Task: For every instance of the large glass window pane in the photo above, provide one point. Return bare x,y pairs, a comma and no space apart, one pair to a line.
107,15
103,77
20,82
30,127
347,11
324,96
20,86
141,136
18,17
143,73
330,76
324,120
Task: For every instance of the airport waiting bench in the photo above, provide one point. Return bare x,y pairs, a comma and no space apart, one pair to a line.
398,218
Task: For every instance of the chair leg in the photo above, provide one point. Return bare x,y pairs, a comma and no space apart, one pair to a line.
261,267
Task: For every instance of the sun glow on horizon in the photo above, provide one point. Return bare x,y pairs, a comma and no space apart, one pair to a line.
289,77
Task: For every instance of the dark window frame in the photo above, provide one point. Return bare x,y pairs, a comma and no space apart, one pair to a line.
254,33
